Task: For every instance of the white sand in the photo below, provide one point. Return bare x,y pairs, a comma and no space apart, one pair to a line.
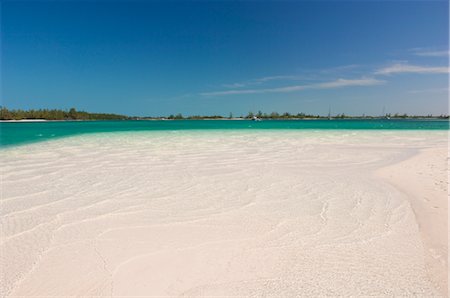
226,213
423,179
26,120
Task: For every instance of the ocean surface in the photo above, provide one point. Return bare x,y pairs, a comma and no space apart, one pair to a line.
17,133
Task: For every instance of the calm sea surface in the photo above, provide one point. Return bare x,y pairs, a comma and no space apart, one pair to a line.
16,133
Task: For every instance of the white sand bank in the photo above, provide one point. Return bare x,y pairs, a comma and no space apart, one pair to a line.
220,213
25,120
423,179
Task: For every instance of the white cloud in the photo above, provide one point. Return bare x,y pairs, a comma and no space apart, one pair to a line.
409,68
235,85
307,75
345,82
434,53
260,81
429,52
326,85
231,92
277,78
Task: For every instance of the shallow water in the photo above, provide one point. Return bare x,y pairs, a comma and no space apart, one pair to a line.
27,132
250,213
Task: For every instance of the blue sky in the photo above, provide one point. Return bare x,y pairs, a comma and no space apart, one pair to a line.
215,57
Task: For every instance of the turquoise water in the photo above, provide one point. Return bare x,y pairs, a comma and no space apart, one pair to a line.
16,133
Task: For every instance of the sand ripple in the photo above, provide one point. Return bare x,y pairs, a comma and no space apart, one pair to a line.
211,213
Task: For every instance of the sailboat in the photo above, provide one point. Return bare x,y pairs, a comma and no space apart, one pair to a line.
385,116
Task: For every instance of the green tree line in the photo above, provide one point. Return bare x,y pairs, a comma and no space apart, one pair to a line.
276,115
72,114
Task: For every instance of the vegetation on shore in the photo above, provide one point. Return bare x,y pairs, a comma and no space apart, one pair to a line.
73,114
46,114
286,116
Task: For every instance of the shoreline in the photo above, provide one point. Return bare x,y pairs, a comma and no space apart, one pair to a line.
227,119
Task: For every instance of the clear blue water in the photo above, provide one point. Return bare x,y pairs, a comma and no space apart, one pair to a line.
16,133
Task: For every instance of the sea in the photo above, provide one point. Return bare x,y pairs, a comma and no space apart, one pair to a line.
20,133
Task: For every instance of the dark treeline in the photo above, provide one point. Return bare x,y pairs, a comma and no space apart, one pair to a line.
278,116
73,114
54,114
194,117
250,115
275,115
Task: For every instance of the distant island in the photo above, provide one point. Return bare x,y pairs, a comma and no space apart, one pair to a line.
72,114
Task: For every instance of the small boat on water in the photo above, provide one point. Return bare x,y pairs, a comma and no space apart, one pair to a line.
256,118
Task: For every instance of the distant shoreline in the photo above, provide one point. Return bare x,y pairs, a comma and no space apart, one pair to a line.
222,119
7,115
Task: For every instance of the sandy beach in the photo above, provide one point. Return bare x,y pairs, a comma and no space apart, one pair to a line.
226,213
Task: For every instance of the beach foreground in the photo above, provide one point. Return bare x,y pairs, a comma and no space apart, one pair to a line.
273,213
